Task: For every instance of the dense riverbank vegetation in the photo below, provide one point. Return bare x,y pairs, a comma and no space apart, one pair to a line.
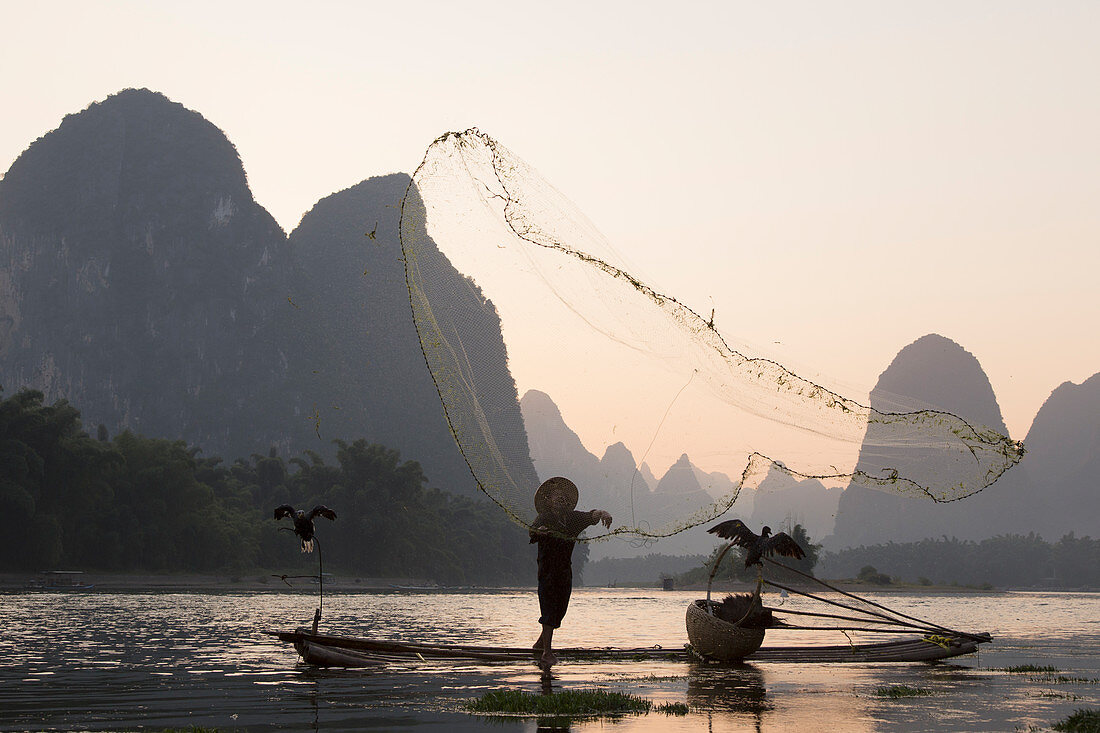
133,503
1006,561
1003,562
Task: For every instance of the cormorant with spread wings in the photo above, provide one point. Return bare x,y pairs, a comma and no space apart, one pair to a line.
303,523
757,545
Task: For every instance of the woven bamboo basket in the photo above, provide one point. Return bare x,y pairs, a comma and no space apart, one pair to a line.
716,638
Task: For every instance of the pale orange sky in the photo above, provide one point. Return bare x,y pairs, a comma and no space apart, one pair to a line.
834,179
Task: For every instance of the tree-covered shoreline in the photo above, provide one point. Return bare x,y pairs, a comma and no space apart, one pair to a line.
1004,561
137,504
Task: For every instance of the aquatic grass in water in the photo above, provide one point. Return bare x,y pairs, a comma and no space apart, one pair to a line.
1082,721
1053,694
672,708
898,691
1058,679
1047,674
1028,668
571,702
568,703
644,678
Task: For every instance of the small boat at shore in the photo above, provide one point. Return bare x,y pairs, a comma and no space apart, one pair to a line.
322,650
59,580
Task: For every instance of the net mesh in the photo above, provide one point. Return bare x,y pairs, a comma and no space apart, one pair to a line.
629,362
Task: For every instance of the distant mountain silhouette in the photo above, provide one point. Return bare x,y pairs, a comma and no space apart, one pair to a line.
1064,460
618,469
934,372
140,278
556,450
616,483
680,480
781,499
719,485
361,370
141,281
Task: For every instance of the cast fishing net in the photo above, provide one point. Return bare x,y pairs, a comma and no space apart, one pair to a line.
629,362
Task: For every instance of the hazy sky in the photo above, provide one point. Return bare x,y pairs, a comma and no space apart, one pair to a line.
841,178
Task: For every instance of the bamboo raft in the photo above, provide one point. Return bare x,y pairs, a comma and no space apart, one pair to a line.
711,638
323,650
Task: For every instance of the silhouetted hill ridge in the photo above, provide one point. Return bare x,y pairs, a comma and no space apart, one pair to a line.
1064,458
915,379
935,372
140,277
617,483
135,150
362,369
780,497
140,280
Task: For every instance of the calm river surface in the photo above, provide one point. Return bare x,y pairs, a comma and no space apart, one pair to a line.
129,661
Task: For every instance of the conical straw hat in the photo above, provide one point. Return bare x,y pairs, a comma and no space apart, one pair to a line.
551,486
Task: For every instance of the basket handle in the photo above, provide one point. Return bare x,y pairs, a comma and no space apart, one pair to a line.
714,569
754,604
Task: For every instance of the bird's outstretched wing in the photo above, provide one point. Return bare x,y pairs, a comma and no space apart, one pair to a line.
785,545
324,511
735,531
286,510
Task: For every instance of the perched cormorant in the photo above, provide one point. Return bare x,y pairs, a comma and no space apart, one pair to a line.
757,545
303,523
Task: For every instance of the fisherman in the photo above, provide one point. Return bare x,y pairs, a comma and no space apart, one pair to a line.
555,529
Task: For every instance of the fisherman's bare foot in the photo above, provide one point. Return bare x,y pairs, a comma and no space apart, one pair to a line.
548,659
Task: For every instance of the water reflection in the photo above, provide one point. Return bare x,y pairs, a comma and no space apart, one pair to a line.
109,661
731,688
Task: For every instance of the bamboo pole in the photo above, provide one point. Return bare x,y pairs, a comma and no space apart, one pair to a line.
835,603
853,628
321,585
836,616
872,603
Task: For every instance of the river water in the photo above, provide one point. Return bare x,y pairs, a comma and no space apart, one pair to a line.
111,661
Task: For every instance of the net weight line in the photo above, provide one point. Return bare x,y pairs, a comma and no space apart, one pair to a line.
468,185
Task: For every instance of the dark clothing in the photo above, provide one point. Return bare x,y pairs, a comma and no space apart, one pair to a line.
556,544
554,600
